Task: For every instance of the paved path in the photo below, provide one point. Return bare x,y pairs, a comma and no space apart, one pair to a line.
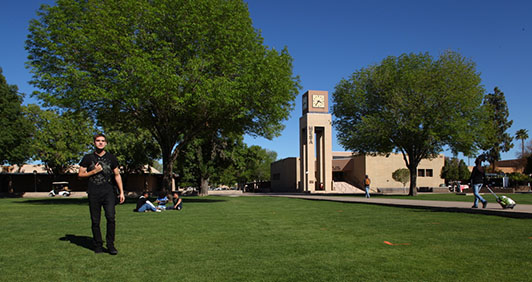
493,208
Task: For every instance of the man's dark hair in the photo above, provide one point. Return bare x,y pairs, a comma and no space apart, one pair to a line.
145,192
99,135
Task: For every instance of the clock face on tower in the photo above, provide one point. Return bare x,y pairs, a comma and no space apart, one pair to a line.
318,101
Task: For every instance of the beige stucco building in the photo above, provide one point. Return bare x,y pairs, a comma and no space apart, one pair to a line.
349,170
319,170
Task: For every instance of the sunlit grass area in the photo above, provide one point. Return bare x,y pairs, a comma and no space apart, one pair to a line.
262,239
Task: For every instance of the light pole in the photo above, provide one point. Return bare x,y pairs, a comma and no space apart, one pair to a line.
35,180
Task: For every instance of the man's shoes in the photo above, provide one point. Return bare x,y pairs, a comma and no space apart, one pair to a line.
485,204
474,207
112,250
98,250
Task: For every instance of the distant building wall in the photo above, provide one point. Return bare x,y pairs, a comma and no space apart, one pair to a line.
380,169
285,175
29,182
511,166
353,168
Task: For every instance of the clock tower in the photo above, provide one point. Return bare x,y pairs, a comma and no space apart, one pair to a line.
315,143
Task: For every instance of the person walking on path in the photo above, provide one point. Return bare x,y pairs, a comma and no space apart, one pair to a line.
477,179
101,167
367,182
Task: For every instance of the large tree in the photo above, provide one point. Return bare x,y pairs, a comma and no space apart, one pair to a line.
414,104
500,140
177,68
134,148
15,139
60,140
204,159
455,169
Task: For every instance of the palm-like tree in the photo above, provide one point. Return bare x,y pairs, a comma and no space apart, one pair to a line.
522,134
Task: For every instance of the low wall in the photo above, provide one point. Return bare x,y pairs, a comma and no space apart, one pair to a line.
27,182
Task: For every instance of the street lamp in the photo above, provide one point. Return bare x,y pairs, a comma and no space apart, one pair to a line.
35,180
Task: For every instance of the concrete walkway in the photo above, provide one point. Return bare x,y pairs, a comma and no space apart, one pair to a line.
493,208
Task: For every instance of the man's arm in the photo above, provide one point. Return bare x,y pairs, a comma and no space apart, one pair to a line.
118,180
178,202
83,171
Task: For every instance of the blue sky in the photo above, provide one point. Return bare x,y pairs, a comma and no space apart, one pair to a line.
329,40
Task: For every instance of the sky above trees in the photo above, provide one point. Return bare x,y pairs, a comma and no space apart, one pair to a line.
329,40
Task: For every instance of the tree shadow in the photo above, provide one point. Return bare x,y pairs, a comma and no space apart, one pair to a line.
82,241
201,200
85,201
55,201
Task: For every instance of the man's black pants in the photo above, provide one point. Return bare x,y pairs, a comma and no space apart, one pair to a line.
98,198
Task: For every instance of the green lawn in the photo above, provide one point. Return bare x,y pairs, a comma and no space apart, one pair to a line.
262,239
519,198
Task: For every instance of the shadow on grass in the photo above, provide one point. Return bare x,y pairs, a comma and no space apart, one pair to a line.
85,201
82,241
56,201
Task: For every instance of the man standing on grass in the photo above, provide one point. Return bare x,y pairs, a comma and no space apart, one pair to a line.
100,167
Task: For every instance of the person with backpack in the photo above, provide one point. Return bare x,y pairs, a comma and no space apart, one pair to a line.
367,182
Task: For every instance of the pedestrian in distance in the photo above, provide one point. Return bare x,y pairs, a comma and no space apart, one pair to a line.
101,168
367,183
477,180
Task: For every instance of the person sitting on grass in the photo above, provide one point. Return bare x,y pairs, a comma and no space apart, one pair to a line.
177,201
144,205
161,201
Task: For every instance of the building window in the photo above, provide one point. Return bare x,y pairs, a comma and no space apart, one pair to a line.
424,173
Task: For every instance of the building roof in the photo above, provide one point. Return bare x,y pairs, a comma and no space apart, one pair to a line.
509,166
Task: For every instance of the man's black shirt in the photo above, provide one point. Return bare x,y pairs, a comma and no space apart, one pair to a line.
103,179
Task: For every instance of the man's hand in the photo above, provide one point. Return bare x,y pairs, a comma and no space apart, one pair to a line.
122,198
97,168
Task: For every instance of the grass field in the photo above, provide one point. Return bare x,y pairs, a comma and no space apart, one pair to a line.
519,198
262,239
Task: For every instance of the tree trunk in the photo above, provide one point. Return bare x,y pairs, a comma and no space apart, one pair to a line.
204,187
413,179
168,163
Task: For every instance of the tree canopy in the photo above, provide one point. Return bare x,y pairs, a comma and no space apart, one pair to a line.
414,104
60,140
455,170
401,175
134,148
522,134
16,128
176,68
500,140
